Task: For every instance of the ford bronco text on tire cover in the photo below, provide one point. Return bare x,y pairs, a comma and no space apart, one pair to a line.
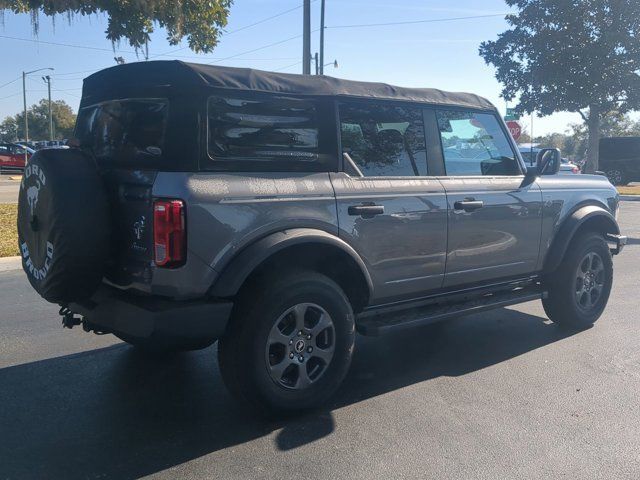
279,214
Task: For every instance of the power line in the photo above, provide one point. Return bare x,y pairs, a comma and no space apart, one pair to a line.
75,73
12,95
9,83
260,48
57,44
288,66
264,20
410,22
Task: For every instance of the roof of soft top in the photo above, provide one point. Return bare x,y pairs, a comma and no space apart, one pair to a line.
180,74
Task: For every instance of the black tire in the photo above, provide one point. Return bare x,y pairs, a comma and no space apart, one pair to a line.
162,345
617,176
247,360
577,302
63,225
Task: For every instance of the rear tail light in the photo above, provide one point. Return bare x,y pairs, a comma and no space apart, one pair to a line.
169,233
575,169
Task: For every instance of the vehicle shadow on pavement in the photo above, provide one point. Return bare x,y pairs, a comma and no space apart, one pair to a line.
111,413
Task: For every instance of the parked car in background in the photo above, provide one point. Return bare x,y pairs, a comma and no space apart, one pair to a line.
12,157
50,144
620,159
530,152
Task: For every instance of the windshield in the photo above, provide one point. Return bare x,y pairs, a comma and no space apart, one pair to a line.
126,132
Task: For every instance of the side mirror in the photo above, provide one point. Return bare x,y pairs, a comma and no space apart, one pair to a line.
548,161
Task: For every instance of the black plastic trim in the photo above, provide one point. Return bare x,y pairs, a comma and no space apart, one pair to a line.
114,311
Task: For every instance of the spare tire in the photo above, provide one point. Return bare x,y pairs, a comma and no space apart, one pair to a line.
63,225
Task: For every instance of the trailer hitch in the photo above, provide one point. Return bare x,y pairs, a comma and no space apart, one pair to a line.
69,319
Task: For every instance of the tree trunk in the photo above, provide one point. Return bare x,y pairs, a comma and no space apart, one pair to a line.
593,125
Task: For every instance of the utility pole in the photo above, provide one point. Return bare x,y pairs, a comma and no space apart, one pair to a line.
322,37
306,38
315,57
47,80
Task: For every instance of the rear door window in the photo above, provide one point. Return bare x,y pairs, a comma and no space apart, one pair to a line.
269,132
474,144
124,132
384,140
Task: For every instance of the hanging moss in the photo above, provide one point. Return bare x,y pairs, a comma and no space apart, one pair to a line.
199,21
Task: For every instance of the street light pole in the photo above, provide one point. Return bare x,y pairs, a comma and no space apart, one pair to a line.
47,80
24,101
26,121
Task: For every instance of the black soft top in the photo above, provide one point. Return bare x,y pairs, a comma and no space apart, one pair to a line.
173,74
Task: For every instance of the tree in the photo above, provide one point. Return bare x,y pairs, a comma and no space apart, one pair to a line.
570,55
12,128
200,21
8,130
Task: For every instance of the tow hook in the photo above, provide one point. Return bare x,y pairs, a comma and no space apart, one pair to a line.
69,319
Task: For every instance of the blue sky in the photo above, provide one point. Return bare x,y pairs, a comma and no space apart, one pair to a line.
441,55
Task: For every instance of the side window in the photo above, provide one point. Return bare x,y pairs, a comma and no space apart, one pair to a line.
474,144
384,140
271,129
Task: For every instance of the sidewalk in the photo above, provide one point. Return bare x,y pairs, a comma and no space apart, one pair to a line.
8,264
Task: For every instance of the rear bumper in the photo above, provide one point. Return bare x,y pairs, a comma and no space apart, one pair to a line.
113,311
619,242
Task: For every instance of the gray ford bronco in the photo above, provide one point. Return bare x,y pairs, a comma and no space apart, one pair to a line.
280,214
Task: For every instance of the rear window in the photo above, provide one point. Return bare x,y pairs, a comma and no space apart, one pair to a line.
271,132
126,132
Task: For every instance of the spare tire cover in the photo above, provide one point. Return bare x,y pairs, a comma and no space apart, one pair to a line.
63,225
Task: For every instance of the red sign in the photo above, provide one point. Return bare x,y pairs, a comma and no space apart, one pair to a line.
515,129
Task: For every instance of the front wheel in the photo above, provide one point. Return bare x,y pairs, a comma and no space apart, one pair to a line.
579,289
289,344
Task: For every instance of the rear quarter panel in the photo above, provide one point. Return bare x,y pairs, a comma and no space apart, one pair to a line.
227,212
564,194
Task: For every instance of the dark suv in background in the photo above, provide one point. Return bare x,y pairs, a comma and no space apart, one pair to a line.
280,214
620,159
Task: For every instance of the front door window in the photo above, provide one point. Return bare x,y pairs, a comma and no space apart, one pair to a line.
474,144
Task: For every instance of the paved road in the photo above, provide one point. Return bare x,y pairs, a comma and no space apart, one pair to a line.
8,190
498,395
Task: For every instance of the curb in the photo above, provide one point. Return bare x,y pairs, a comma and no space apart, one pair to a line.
630,198
8,264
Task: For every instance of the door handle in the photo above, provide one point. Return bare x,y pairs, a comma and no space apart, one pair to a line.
468,205
365,211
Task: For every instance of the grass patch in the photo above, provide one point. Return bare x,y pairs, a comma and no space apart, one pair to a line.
635,190
8,232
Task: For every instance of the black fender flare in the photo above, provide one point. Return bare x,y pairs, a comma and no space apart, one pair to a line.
570,226
238,269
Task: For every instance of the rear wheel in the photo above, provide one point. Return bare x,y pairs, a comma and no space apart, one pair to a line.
617,176
580,288
289,345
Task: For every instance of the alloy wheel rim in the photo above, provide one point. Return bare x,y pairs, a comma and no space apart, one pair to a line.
615,176
300,346
589,281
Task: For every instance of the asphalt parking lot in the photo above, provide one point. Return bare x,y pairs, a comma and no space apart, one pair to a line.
503,394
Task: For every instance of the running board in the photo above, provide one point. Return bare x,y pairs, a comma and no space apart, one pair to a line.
374,323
